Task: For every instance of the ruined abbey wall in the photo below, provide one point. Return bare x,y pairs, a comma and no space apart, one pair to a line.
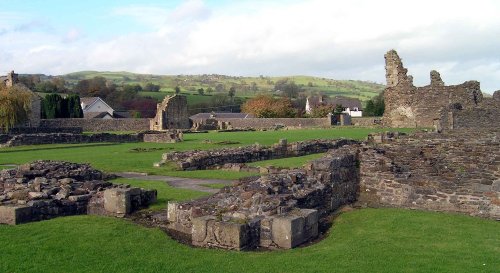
456,171
171,113
410,106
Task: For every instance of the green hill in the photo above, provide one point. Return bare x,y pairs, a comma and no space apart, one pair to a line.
245,86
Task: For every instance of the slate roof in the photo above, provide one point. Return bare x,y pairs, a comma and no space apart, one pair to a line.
222,115
351,103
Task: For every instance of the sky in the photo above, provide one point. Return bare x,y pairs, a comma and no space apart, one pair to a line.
332,39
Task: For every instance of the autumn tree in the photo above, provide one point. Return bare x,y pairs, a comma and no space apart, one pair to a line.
15,105
265,106
321,111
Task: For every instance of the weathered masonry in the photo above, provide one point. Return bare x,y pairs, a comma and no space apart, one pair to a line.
48,189
200,160
455,171
435,105
274,211
171,113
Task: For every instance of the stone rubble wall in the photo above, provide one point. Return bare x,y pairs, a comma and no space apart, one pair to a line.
266,123
98,125
456,171
43,130
200,160
274,211
367,122
67,138
48,189
170,136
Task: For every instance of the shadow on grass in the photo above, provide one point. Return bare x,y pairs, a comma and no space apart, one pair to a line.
73,146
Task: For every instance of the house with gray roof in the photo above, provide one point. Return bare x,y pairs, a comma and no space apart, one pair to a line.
351,106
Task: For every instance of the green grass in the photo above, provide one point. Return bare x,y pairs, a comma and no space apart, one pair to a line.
291,162
368,240
114,157
165,192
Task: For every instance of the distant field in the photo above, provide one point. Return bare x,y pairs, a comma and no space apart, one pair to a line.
245,86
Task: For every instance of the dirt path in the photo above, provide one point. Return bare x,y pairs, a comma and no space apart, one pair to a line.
178,182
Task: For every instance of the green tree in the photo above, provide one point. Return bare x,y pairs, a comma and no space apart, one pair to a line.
51,106
15,105
74,106
210,90
177,90
232,92
201,91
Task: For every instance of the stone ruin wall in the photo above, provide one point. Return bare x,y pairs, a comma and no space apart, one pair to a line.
171,113
205,159
266,123
98,125
274,211
48,189
8,140
457,171
410,106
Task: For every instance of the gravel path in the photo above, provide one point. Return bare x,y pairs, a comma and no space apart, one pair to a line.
178,182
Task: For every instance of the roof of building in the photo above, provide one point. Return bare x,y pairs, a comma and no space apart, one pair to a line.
89,101
344,101
121,114
220,115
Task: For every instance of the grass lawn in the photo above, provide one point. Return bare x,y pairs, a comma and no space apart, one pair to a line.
165,192
367,240
114,157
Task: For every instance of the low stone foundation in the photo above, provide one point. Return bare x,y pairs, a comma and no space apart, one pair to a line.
200,160
67,138
48,189
273,211
172,136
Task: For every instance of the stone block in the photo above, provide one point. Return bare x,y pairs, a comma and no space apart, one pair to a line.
207,231
14,215
287,231
117,201
172,211
293,229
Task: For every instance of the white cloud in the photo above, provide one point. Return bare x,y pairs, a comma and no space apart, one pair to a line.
339,39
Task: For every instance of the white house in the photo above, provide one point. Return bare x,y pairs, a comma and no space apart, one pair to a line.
351,106
95,107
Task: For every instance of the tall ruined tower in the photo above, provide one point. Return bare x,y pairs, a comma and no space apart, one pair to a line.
410,106
399,93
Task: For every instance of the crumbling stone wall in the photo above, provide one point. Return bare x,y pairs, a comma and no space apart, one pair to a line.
48,189
200,160
456,171
171,136
171,113
67,138
98,125
274,211
410,106
266,123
